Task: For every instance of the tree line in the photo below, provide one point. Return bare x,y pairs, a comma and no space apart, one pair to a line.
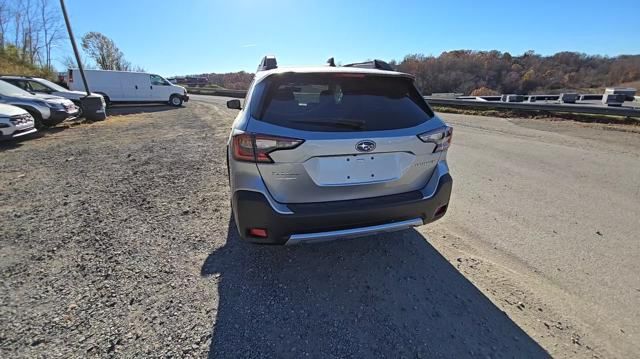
495,72
231,80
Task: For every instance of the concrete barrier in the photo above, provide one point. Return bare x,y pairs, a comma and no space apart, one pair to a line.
539,106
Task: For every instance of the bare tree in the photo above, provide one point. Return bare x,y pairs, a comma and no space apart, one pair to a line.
52,29
30,36
69,62
5,14
17,22
33,28
104,52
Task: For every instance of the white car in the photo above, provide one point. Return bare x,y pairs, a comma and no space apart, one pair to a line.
133,87
38,85
15,122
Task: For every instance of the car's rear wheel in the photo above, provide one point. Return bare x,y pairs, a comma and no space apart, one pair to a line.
80,109
37,119
107,100
175,100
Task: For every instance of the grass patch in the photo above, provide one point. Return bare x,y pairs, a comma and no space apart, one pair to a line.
11,64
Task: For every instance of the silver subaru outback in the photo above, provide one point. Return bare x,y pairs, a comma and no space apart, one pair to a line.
320,153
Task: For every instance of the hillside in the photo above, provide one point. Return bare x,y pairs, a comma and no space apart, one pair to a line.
10,64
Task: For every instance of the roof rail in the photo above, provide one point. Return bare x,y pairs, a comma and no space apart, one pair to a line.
25,76
268,63
374,64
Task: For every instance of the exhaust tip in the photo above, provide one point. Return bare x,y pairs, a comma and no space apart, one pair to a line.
441,211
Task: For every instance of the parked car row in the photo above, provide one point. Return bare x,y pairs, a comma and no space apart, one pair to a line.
46,110
35,85
48,104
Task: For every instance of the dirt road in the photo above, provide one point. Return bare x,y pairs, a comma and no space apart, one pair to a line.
557,205
116,241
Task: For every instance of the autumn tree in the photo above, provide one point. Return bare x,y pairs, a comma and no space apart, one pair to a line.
466,71
104,52
484,91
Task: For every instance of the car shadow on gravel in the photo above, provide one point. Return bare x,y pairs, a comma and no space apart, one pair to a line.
13,143
389,295
131,109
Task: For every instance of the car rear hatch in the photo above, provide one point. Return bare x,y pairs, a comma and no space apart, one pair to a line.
332,137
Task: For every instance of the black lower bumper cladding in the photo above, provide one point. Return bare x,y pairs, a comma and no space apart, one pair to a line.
252,210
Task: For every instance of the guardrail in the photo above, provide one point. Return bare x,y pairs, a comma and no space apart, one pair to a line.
534,106
216,92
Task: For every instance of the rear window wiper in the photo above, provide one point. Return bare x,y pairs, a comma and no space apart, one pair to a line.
356,125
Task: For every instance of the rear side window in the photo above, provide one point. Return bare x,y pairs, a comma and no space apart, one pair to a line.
38,87
20,83
342,102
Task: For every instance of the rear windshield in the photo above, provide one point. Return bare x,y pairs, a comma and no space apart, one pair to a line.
342,102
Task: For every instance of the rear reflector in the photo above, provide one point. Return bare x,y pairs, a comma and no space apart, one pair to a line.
258,232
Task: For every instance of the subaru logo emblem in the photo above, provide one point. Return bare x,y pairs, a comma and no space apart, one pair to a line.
366,146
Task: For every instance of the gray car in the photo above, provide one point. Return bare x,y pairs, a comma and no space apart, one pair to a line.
321,153
46,110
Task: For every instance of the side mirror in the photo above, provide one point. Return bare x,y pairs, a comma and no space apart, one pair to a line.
234,104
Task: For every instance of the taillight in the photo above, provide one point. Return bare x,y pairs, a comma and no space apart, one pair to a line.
256,147
440,137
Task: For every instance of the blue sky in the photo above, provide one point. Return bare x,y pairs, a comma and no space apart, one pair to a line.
196,36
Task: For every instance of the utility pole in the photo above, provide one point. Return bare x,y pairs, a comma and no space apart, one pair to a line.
75,47
93,106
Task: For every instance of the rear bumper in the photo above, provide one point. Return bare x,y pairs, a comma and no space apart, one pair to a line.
18,133
325,221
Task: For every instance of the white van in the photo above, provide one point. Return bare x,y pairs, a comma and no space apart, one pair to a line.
123,86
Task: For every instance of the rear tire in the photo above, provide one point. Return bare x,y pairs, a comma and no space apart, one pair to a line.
107,100
80,109
175,100
37,120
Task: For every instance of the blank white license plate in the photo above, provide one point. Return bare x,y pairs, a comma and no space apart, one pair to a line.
358,169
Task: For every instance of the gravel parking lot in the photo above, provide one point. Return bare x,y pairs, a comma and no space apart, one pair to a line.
116,241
